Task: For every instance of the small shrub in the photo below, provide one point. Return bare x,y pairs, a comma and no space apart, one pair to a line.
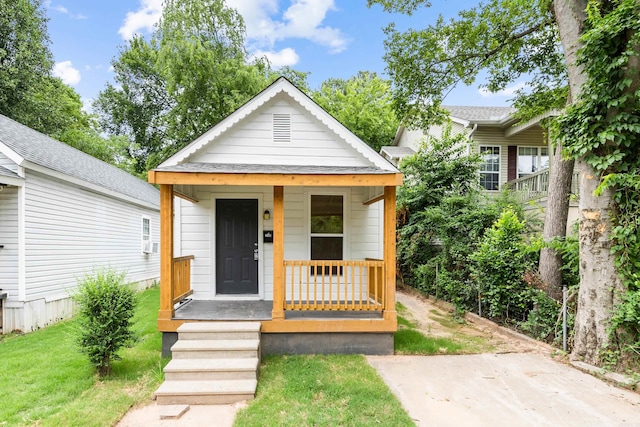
105,310
543,319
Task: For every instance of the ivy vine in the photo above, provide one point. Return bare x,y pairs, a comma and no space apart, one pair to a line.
603,128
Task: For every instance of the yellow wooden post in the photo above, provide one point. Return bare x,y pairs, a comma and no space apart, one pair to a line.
390,253
278,253
166,253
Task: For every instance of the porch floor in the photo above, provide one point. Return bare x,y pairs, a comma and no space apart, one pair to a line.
257,310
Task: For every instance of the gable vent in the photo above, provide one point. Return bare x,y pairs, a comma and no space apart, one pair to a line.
282,128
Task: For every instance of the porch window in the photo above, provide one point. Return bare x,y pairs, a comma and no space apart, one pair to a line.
490,167
327,229
532,160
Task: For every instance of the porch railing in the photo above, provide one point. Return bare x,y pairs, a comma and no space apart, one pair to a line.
334,285
181,278
536,185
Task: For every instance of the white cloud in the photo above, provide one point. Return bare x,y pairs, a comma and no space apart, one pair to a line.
303,20
60,9
87,105
67,72
282,58
141,20
506,92
64,11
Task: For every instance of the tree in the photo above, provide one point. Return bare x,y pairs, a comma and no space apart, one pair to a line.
363,104
191,73
511,39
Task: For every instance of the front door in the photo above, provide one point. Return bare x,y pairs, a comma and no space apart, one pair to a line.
236,246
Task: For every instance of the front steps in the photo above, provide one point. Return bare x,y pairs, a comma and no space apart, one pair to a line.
213,363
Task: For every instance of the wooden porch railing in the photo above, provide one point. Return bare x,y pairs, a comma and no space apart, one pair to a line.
181,278
334,285
536,185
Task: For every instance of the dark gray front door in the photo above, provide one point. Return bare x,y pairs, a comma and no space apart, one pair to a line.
236,241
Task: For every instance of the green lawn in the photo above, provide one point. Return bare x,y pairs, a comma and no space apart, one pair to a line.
44,379
321,390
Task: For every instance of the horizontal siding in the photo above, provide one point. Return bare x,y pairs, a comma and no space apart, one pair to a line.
251,142
9,238
70,232
8,163
197,231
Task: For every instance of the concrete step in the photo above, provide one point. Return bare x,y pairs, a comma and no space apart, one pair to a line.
219,330
205,392
211,369
216,349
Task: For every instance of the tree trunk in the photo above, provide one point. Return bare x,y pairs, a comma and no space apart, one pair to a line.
600,284
555,222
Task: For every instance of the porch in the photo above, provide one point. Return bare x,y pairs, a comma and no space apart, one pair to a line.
536,185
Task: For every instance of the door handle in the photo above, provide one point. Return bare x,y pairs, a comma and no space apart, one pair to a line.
255,254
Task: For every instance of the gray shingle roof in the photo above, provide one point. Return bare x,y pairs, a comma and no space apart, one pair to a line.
44,151
471,114
397,152
279,169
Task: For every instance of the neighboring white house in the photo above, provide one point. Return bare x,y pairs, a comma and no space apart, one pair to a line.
513,152
64,214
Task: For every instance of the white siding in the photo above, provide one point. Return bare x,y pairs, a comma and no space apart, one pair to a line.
197,231
71,231
9,238
251,141
8,163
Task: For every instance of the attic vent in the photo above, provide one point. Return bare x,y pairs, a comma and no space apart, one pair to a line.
282,128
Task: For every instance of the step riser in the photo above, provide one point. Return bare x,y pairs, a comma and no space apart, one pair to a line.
218,335
209,376
215,399
215,354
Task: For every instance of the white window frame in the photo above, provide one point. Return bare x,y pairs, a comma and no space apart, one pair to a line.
345,218
145,237
539,149
499,164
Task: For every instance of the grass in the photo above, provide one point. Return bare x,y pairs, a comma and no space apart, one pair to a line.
334,390
45,380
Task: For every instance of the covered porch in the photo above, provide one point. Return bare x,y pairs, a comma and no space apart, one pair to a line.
321,296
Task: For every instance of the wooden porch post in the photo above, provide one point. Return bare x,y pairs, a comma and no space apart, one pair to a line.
166,253
278,253
390,252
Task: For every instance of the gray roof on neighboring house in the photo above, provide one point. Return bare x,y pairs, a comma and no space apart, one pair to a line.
42,150
397,152
277,169
6,172
472,114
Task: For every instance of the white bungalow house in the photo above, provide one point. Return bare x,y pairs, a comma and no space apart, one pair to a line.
64,214
515,154
285,230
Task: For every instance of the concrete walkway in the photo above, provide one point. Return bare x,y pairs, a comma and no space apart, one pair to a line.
503,390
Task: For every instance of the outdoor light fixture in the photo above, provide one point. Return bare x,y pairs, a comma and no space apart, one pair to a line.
266,215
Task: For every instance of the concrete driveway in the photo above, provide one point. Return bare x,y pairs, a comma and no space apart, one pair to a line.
503,390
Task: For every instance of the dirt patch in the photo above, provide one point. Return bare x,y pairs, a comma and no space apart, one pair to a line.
479,335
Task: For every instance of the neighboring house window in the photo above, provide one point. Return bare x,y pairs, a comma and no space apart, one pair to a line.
532,160
146,235
490,167
327,228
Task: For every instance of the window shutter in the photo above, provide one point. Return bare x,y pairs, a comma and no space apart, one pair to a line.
512,162
282,128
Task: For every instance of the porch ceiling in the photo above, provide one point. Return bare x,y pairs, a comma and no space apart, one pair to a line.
277,175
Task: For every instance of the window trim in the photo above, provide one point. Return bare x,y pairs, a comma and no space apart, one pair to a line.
498,172
346,211
539,156
149,237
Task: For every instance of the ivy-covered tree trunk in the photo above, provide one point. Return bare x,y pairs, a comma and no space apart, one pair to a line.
600,284
555,222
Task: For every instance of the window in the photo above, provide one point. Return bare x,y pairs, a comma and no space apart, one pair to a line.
327,228
490,168
146,235
532,160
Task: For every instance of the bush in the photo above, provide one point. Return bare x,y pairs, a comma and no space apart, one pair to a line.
543,320
106,307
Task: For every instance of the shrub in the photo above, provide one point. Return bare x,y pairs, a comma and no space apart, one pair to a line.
543,320
105,309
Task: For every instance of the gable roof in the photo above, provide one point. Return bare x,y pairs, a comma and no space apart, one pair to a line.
480,114
286,88
34,150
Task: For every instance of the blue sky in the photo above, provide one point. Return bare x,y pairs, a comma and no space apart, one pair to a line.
329,38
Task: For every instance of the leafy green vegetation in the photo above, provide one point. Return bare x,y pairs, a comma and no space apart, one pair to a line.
45,380
333,390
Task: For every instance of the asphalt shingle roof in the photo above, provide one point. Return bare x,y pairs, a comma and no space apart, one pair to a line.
42,150
278,169
471,114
